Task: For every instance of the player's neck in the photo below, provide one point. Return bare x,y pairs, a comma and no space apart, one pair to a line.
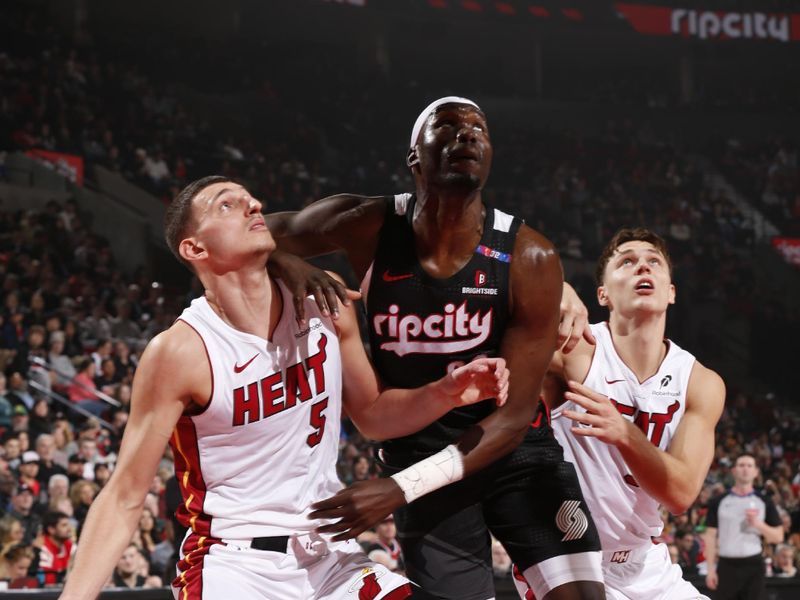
447,226
247,300
639,341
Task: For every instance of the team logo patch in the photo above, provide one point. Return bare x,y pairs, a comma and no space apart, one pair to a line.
620,556
571,520
366,583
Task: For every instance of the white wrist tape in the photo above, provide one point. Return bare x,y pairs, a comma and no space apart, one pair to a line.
430,474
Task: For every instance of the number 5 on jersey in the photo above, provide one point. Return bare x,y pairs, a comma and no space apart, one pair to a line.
317,422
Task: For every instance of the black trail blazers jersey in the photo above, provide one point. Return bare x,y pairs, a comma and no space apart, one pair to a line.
420,327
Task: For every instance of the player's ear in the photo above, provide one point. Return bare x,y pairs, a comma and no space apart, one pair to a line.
602,298
191,249
671,294
412,158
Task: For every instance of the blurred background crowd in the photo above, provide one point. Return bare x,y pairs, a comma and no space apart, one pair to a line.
701,147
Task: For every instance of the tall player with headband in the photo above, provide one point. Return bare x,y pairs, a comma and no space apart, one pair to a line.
640,425
251,405
448,279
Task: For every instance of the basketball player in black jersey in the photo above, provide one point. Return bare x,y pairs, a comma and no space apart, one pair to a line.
447,279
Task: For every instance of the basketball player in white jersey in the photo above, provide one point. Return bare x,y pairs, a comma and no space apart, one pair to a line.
251,406
640,426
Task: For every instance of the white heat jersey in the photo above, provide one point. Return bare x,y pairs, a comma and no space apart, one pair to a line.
625,515
265,447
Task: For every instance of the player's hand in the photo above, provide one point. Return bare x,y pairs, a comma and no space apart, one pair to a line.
304,279
601,419
712,581
574,323
475,381
358,507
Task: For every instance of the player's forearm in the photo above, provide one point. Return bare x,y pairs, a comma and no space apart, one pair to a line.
667,479
399,412
491,439
108,529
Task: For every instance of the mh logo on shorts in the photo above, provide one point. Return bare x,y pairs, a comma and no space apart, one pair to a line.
571,520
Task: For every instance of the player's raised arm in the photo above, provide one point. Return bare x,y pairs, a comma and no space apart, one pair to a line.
161,391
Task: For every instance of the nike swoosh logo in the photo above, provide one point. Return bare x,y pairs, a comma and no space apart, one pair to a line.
390,278
610,381
238,369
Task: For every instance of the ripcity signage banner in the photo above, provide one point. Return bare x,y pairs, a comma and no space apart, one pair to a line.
710,24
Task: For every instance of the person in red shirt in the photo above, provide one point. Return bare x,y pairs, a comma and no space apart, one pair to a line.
57,548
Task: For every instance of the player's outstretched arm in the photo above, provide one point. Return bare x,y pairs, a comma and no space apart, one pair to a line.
384,413
674,477
346,222
160,393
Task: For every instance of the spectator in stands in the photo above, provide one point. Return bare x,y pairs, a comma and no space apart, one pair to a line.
689,552
21,508
62,437
12,453
386,549
59,362
101,474
123,326
57,489
46,449
57,549
20,421
127,575
785,563
5,405
82,494
148,534
107,380
361,468
11,532
83,390
72,342
18,393
28,471
39,419
75,468
102,352
124,361
14,565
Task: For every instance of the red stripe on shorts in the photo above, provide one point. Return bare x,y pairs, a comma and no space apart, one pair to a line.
190,568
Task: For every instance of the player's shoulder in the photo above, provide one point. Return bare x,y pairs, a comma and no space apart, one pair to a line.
705,386
177,346
533,246
533,251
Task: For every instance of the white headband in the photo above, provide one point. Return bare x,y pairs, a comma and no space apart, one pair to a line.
423,116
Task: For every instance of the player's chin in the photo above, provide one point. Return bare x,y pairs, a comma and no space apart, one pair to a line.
467,181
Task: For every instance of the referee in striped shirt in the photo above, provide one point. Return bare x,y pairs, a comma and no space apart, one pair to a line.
739,520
